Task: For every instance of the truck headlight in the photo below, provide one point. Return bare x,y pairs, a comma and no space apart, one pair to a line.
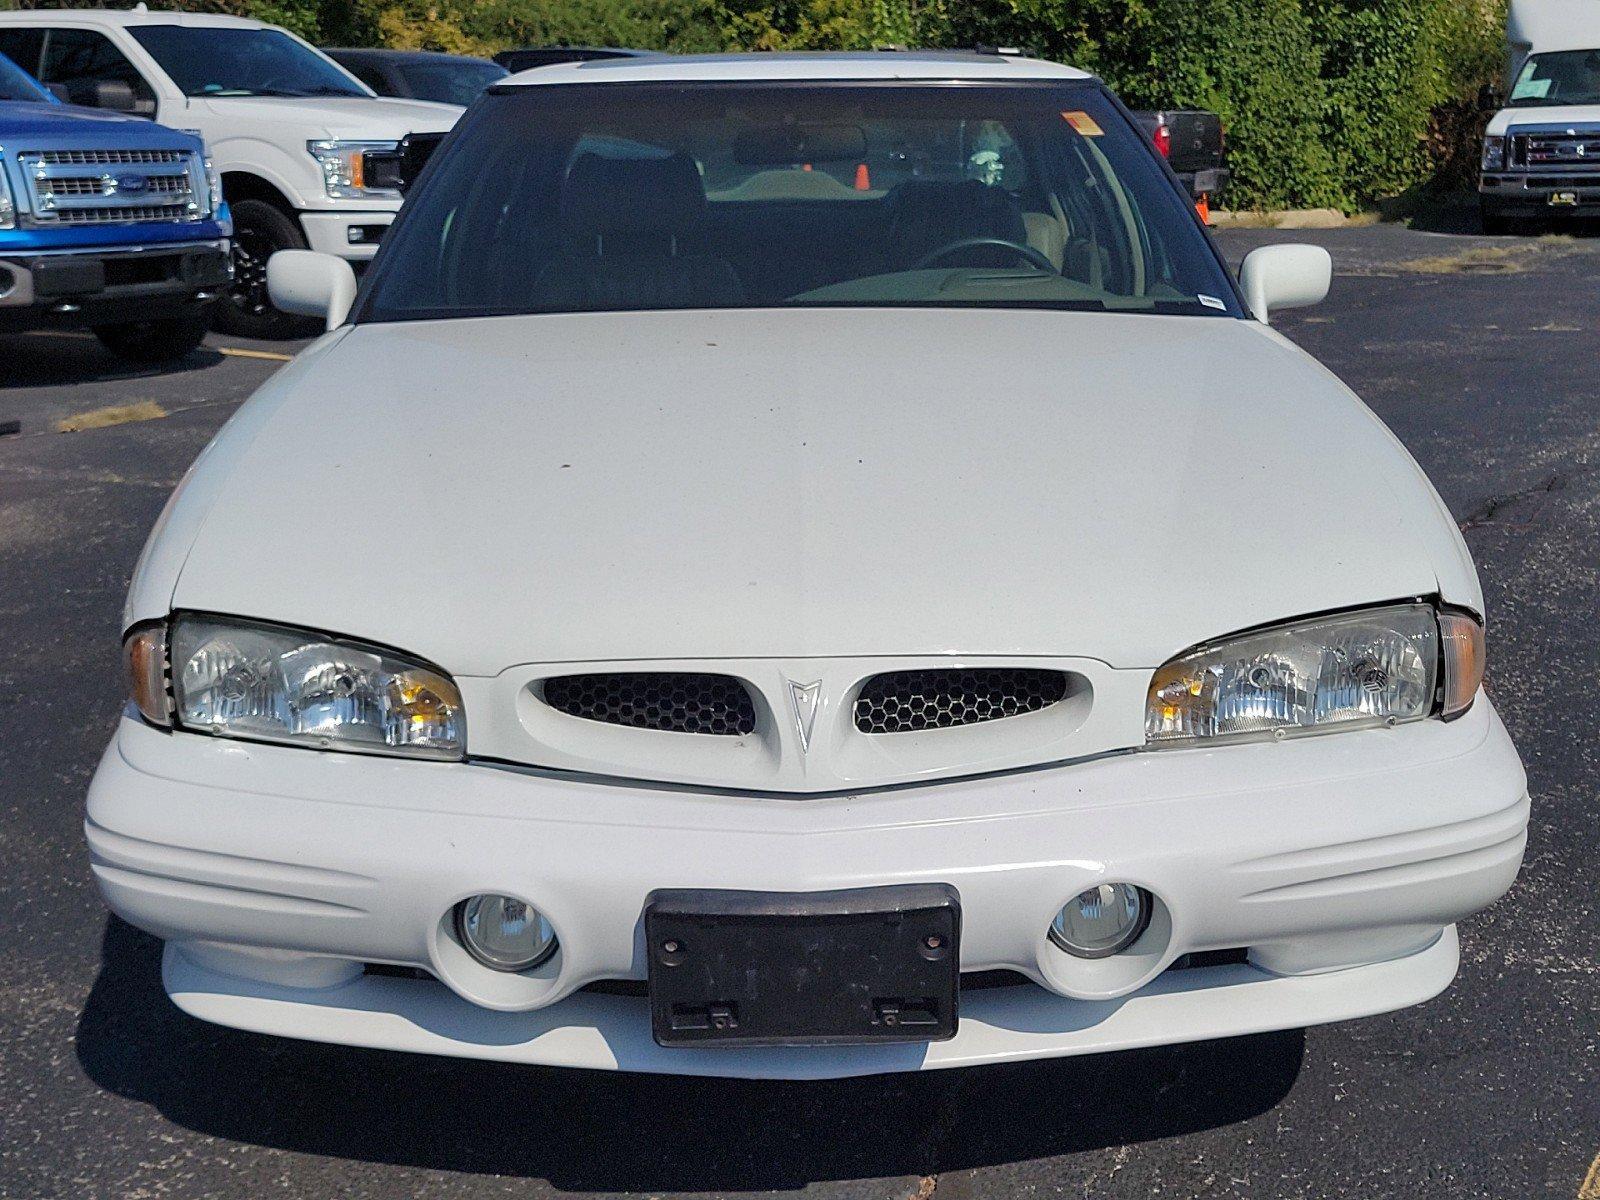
8,210
243,679
1355,670
1494,153
344,169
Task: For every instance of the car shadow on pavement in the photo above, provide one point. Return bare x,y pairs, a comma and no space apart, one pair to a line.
60,359
604,1131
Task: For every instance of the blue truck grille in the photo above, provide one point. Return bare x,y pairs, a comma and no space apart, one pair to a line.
105,187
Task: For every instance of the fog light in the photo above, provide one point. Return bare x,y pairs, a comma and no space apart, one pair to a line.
1102,921
504,933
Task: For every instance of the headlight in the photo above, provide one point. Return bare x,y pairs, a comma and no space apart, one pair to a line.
344,169
8,210
213,180
1378,667
1494,153
247,680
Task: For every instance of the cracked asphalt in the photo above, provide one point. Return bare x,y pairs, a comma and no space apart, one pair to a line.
1481,354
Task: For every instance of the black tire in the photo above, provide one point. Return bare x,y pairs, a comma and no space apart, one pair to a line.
260,230
154,341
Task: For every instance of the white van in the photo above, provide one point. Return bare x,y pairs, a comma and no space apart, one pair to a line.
1541,153
287,127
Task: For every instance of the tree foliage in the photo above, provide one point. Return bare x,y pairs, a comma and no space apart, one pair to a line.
1326,102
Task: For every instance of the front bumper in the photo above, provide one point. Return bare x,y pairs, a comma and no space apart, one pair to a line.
94,285
352,236
1519,193
1341,863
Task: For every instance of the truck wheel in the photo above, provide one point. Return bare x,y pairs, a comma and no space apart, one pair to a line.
153,341
260,230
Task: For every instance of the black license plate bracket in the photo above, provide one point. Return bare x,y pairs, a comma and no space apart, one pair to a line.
850,967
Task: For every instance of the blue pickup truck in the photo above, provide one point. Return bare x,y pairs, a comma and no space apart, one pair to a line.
107,222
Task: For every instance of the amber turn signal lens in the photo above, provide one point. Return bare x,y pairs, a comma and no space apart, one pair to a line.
144,651
1461,640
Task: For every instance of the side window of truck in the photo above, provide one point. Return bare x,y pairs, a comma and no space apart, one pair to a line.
95,72
23,47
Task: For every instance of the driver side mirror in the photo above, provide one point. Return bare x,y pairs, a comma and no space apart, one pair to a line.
113,95
310,284
1287,276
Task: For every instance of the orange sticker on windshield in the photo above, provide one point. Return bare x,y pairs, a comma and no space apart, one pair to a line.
1083,123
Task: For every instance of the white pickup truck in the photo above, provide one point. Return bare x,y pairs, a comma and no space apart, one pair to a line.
287,128
1541,152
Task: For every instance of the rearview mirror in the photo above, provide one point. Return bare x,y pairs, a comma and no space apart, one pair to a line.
310,284
1287,276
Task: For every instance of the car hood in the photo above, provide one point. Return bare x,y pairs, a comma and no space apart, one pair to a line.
27,120
806,482
1508,120
375,118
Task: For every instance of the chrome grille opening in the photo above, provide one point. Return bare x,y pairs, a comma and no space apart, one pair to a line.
131,212
669,701
86,158
908,701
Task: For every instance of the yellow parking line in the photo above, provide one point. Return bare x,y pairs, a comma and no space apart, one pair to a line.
1589,1189
116,414
239,352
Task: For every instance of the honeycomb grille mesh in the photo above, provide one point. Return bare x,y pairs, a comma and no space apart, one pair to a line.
908,701
672,701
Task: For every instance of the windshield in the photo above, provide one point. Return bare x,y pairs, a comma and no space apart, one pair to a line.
573,198
458,82
209,61
1564,77
17,84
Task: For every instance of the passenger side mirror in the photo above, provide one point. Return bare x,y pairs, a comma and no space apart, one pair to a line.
1489,99
1288,276
311,284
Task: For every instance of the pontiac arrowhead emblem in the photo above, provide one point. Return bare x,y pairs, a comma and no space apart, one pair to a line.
804,697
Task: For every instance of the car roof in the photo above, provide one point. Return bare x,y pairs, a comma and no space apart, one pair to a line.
138,15
379,53
871,64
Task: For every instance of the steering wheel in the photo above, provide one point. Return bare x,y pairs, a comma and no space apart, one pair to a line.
1033,256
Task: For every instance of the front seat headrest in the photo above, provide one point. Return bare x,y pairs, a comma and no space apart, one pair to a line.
632,198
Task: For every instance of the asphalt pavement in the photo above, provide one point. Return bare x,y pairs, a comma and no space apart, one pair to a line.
1481,354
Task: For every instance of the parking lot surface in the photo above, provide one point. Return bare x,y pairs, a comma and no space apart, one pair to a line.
1481,356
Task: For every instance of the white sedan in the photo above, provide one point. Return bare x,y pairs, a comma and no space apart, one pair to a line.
798,567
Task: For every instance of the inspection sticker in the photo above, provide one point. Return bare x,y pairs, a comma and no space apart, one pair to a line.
1212,302
1083,123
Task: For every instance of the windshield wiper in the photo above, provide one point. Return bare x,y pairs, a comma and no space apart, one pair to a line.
287,93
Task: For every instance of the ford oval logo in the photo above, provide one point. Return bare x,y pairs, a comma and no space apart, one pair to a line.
132,184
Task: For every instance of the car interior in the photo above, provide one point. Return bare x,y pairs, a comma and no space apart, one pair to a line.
763,214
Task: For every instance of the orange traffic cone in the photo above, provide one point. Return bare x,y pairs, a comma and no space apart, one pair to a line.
863,178
1203,207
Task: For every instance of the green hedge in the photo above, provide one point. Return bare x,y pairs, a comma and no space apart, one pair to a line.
1326,102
